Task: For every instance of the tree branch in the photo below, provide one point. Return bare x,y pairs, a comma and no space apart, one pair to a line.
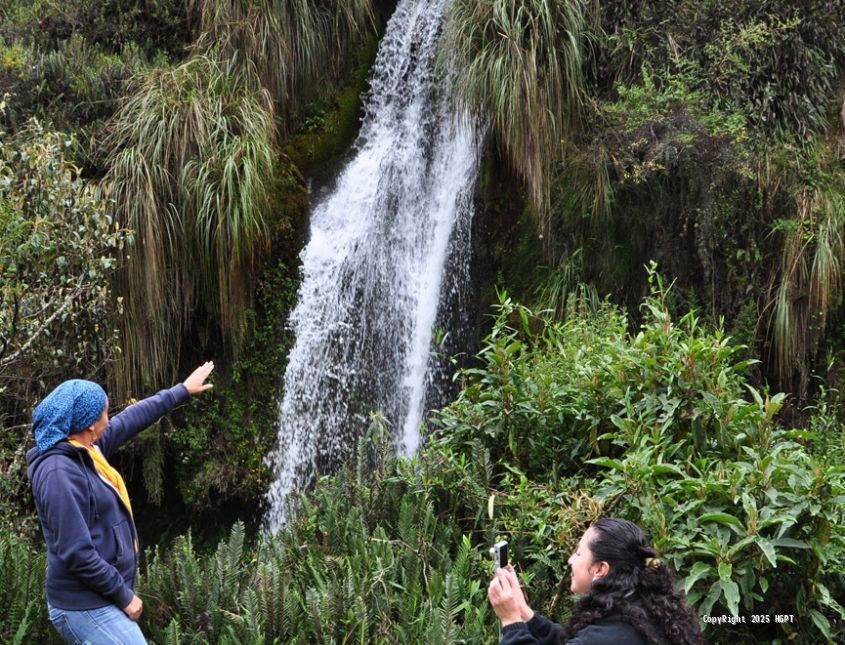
4,363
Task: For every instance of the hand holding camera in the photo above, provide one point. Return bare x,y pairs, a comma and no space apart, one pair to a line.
504,591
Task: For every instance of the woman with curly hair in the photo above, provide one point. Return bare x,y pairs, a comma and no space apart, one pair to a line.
628,596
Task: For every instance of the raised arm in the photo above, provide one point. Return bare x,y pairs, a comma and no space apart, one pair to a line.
143,414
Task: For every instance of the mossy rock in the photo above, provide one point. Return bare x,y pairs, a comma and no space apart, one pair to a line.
328,127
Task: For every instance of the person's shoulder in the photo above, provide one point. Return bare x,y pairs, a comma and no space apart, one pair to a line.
610,631
62,458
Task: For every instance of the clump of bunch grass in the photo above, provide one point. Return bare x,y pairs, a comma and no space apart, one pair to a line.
192,159
810,287
521,67
292,44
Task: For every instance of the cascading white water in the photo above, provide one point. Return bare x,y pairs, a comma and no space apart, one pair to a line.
382,246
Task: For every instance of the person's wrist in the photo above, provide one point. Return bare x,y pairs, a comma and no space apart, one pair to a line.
526,614
510,620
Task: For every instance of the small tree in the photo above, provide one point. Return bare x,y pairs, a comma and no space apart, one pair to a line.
57,250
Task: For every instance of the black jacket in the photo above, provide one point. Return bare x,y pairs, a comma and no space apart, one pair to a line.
541,631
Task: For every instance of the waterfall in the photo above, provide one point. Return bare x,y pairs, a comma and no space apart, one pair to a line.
388,246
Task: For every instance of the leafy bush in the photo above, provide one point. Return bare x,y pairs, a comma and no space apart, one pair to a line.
583,418
366,560
58,251
58,247
776,62
549,394
74,86
827,424
109,24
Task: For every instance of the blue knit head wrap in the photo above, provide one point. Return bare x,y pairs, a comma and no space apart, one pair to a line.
71,407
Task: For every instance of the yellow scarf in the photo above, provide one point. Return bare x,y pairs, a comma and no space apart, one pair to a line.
107,473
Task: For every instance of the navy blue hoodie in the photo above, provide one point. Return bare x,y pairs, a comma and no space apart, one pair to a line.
90,535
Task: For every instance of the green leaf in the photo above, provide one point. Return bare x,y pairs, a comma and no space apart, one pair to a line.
667,469
698,571
712,596
790,543
725,570
827,600
739,546
768,550
720,518
731,591
821,621
525,324
607,462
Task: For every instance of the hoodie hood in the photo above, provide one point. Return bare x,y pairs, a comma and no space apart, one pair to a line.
34,459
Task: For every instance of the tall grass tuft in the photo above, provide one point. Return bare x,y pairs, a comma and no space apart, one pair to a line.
810,277
190,172
191,160
521,68
293,44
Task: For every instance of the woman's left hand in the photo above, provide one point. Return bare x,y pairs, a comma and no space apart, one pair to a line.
506,596
195,383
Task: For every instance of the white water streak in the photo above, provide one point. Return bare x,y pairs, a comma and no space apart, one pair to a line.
374,268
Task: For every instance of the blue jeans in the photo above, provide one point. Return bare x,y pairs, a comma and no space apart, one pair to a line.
104,626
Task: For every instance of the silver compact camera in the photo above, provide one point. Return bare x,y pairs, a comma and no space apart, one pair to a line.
499,552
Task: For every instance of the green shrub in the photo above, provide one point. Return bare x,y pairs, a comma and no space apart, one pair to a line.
776,62
548,393
657,424
110,24
366,560
58,247
827,424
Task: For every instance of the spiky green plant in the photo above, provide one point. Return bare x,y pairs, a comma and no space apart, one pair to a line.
23,607
293,44
190,168
368,559
520,67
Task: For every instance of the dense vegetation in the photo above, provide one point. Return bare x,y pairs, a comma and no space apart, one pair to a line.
705,135
154,162
561,422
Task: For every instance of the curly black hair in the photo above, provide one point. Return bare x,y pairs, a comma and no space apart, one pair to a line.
638,589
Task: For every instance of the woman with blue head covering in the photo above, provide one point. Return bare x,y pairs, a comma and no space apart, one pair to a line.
71,407
84,507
